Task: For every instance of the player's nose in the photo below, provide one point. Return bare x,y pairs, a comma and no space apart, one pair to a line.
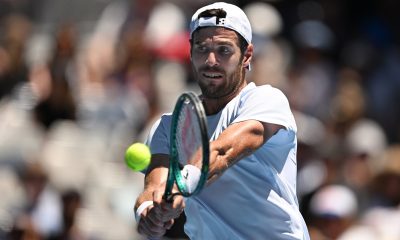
211,59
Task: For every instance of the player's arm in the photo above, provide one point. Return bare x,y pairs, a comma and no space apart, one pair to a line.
155,176
236,142
155,180
158,216
150,222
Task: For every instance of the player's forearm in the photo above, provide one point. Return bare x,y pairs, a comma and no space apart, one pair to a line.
236,142
223,158
156,176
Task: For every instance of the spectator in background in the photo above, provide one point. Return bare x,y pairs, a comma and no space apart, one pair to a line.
271,54
313,73
13,71
24,230
385,186
41,214
71,203
111,83
55,97
334,209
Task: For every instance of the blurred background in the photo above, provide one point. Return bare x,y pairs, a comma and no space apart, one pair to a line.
82,80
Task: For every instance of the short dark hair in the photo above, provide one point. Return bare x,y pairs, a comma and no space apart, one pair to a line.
220,13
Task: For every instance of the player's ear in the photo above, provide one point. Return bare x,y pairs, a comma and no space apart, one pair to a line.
248,55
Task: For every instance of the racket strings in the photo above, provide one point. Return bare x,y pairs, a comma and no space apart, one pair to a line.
188,144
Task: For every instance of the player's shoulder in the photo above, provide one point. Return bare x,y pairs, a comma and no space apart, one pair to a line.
263,91
162,120
268,89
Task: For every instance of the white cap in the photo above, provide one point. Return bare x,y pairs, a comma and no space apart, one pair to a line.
235,19
334,200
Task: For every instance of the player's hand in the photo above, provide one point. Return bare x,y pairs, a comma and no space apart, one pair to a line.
151,224
168,209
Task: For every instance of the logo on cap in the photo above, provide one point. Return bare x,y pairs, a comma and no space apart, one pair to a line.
219,15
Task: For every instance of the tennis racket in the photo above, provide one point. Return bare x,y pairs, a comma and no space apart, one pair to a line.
189,148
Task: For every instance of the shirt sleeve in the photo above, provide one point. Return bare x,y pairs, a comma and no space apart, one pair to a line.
158,138
266,104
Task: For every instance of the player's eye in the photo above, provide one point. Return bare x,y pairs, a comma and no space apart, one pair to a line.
200,48
224,50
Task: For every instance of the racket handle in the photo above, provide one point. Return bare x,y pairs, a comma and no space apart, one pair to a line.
170,198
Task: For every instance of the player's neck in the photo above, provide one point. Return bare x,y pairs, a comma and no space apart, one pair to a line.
214,105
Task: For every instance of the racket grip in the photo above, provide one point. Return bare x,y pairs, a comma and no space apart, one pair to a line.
170,198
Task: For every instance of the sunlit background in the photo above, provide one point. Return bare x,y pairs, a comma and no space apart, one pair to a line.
82,80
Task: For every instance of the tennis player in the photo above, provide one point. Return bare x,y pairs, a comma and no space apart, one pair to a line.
251,190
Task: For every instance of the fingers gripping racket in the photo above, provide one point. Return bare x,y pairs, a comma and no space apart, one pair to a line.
189,147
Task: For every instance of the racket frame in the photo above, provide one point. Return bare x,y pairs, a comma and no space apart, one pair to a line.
174,172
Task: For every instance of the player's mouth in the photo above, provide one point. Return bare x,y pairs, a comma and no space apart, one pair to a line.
213,76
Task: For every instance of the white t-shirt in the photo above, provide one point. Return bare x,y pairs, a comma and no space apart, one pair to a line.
255,198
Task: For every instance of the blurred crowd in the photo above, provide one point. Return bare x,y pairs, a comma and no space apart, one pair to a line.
82,80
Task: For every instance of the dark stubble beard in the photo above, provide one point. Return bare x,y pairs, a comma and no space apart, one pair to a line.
231,85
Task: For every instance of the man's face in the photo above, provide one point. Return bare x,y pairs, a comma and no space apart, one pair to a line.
217,61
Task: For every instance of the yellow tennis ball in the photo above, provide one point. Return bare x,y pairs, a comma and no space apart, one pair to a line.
137,156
